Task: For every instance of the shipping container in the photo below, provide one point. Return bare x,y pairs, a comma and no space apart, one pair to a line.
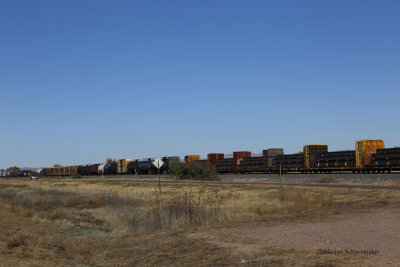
364,151
310,152
269,155
191,158
237,158
122,165
213,157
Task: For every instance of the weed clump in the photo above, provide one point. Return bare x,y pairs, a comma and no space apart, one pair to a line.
326,179
76,176
195,170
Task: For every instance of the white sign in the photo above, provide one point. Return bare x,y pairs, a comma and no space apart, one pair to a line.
158,163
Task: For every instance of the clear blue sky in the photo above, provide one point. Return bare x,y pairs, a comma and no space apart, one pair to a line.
81,81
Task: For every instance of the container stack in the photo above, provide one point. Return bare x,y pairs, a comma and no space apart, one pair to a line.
269,155
337,159
386,157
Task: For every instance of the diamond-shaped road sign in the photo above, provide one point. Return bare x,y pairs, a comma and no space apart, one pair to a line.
158,163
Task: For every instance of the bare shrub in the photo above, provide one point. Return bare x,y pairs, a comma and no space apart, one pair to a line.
15,242
56,214
96,202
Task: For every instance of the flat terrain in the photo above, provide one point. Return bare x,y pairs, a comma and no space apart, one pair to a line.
86,222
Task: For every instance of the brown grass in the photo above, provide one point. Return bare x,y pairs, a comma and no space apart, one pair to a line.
116,223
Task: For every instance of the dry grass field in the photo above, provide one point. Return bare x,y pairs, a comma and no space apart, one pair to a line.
90,222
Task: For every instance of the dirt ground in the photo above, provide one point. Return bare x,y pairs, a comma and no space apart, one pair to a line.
112,223
376,232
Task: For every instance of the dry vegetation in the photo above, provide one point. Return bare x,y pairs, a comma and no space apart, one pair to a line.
90,222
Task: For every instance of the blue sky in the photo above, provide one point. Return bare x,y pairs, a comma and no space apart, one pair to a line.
81,81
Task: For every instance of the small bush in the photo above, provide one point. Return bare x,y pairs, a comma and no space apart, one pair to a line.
195,170
326,179
76,176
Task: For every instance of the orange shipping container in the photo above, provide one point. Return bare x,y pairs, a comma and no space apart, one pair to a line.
191,158
364,151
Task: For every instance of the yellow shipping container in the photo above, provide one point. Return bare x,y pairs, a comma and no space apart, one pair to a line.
310,151
191,158
364,151
122,165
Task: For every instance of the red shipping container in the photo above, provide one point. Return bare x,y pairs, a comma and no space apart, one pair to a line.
213,157
238,156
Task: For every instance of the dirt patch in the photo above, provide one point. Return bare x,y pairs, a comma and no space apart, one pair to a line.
377,231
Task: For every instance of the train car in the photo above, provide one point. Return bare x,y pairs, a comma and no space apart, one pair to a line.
61,171
146,167
385,160
336,161
101,168
122,165
251,164
268,157
84,170
13,174
243,162
41,172
289,163
132,167
169,163
24,173
224,165
238,156
310,153
110,168
94,169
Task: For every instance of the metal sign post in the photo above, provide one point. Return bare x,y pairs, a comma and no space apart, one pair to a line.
280,179
158,163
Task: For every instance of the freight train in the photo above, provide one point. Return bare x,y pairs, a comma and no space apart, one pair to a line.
369,156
